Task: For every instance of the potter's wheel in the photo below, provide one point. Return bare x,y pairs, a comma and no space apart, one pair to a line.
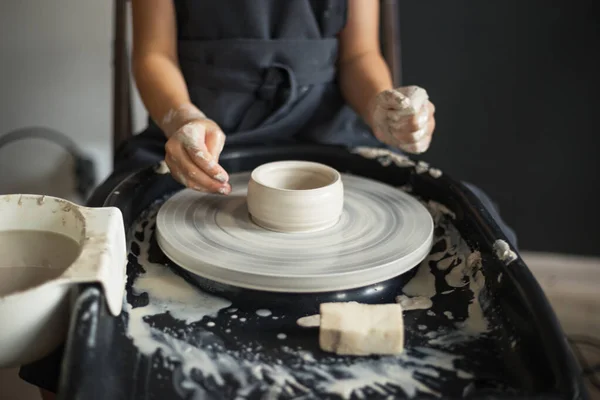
383,232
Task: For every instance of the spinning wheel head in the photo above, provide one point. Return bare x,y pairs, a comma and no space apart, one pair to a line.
381,233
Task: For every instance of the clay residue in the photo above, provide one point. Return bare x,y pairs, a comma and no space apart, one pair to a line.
458,266
384,156
310,321
438,210
263,312
162,168
421,167
387,157
476,322
203,366
423,284
68,208
414,303
503,252
435,173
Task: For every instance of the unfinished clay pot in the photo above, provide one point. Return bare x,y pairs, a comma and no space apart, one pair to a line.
295,196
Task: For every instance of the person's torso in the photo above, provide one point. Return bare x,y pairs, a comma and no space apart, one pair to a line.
259,19
265,71
262,69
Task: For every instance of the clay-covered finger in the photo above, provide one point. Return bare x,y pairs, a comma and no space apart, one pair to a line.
409,123
403,125
215,141
430,108
397,115
393,100
406,137
424,115
413,123
418,128
196,178
185,171
416,148
204,160
174,170
421,145
193,137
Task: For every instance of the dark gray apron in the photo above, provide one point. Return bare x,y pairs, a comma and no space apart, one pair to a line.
264,70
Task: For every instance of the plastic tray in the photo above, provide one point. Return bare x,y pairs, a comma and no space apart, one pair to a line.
524,353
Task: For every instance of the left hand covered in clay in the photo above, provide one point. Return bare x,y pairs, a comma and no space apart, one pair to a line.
403,118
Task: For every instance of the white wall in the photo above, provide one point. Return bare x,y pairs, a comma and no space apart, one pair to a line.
55,72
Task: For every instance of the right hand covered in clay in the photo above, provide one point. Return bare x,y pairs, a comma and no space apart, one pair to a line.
404,118
192,154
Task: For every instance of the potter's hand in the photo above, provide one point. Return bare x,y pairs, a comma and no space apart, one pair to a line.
403,118
192,154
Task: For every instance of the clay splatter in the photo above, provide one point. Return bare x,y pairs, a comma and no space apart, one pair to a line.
263,313
162,168
414,303
504,252
203,366
435,173
384,156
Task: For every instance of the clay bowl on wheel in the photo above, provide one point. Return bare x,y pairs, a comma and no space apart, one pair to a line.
295,196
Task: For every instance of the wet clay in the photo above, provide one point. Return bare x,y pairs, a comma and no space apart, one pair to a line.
29,258
208,353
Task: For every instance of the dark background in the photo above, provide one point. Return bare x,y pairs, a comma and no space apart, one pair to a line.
517,93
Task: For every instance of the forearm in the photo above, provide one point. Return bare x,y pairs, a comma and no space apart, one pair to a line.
361,79
163,91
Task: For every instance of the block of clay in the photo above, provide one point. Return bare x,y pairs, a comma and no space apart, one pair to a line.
361,329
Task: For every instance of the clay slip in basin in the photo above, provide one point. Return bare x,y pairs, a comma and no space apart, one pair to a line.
46,246
295,196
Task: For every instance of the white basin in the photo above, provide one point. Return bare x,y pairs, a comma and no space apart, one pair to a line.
47,245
